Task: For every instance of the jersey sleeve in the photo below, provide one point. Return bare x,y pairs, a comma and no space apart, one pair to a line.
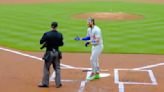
88,32
97,33
43,39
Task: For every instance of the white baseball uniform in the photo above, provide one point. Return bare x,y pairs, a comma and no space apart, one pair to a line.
95,33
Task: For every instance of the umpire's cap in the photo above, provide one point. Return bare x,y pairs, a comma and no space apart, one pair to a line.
54,24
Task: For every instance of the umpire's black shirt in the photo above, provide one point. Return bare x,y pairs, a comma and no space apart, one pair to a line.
53,39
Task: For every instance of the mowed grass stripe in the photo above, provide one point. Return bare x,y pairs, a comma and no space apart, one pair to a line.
119,36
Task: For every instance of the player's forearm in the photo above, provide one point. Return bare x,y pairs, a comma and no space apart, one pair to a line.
86,38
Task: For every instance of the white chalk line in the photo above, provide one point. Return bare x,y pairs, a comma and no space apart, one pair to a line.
150,72
64,66
83,83
152,77
121,87
29,56
149,66
80,68
116,76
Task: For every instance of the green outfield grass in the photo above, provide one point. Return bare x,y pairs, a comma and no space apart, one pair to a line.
22,25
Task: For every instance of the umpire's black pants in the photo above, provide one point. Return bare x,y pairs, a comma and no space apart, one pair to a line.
51,57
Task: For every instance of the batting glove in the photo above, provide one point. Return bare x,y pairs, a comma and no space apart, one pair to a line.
87,43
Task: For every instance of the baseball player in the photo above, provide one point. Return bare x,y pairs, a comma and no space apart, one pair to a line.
94,37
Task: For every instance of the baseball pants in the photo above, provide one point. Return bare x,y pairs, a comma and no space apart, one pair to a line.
55,61
94,58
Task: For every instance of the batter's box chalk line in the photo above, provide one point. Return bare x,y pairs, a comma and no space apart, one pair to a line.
122,83
150,73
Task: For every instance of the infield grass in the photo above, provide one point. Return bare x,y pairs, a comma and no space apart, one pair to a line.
22,25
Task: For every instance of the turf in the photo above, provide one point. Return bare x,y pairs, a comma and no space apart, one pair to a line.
22,25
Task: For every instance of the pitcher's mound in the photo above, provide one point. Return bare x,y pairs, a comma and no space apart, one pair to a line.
110,16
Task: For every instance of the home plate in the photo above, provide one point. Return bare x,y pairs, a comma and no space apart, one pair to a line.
52,78
104,75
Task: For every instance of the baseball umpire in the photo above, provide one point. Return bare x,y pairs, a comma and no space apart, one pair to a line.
52,40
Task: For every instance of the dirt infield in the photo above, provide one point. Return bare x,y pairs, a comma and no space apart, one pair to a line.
110,16
23,73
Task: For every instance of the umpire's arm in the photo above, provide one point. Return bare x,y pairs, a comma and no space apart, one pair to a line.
43,39
61,43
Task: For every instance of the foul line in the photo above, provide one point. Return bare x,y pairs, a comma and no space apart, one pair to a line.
30,56
64,66
83,83
149,66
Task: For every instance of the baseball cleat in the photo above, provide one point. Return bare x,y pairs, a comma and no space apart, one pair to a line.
94,77
97,76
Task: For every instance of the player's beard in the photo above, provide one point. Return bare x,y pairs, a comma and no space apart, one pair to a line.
90,25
